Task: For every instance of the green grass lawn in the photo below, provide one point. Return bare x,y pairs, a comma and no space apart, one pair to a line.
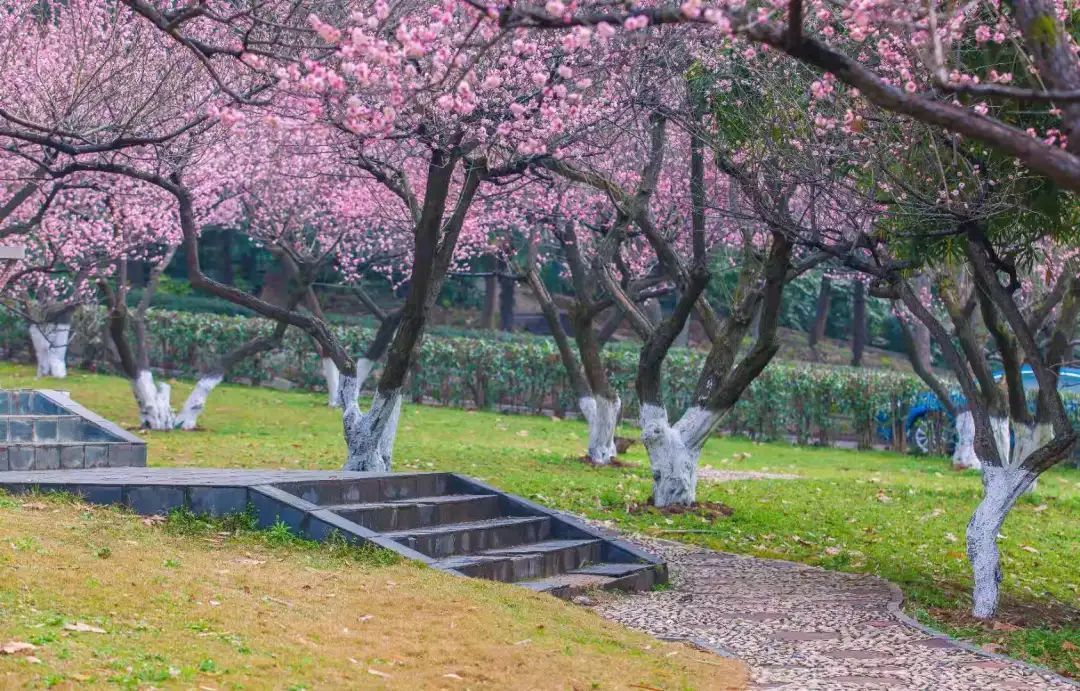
896,516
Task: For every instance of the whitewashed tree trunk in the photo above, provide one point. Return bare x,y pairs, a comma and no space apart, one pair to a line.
674,451
332,375
369,437
333,382
999,427
188,417
1001,488
602,416
155,406
964,456
50,342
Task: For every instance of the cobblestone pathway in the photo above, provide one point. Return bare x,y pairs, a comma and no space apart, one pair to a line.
799,627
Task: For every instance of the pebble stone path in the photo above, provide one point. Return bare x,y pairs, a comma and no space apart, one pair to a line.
714,475
799,627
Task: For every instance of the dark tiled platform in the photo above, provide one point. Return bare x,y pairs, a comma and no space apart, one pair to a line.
448,521
46,430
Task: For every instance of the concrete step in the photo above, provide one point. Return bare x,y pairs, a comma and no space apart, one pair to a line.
605,576
334,492
474,536
525,562
422,512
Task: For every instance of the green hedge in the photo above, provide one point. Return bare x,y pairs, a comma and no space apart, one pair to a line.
810,402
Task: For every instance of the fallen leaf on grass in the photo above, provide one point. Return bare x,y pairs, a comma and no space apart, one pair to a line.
1004,626
1029,548
16,648
1069,645
80,627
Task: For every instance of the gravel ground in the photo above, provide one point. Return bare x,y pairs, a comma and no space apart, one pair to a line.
800,627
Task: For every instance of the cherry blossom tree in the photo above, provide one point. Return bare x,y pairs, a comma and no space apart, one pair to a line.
567,224
73,244
431,106
982,256
939,63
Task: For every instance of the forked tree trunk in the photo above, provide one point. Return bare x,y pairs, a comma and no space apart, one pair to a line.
602,416
369,437
50,340
674,451
154,400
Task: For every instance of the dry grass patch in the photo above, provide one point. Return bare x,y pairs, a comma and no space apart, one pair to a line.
112,599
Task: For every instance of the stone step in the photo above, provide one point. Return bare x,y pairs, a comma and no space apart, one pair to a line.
474,536
604,576
335,492
525,562
422,512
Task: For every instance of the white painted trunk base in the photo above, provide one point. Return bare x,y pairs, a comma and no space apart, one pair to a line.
369,437
964,456
1001,488
50,341
602,416
674,451
155,406
188,417
333,382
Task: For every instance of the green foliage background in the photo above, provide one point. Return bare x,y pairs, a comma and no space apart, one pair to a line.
522,373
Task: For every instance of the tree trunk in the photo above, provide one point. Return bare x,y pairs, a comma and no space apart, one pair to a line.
506,302
487,317
858,323
369,436
1001,488
50,341
674,452
653,311
602,416
964,456
332,376
154,400
821,313
683,339
227,276
188,417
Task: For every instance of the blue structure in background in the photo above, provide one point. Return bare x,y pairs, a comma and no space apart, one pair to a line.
926,407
